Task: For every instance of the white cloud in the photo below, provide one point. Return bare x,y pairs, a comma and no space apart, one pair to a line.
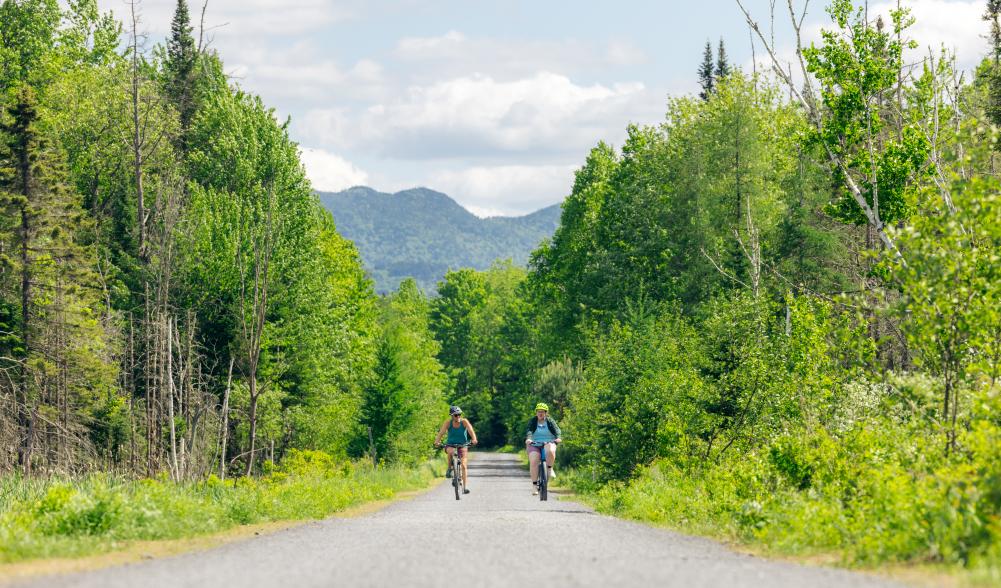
301,73
477,116
955,24
507,189
325,126
267,48
242,17
454,54
279,17
329,172
430,47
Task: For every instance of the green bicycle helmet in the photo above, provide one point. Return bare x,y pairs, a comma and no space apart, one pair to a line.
542,406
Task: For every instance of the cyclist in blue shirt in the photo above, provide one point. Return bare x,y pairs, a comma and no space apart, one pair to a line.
541,429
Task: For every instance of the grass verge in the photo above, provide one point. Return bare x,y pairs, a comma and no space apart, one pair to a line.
100,514
664,498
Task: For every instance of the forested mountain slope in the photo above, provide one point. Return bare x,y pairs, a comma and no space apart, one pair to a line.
422,233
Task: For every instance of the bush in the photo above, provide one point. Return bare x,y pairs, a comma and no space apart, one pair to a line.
882,491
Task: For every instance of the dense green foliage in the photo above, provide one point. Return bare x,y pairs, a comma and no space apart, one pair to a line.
421,234
774,316
173,297
175,303
480,321
404,402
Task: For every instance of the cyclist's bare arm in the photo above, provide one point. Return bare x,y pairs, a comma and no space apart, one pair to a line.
472,433
441,432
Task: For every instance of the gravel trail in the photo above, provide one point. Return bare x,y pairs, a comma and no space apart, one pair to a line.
497,536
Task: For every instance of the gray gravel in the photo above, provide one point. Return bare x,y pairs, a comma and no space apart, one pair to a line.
499,535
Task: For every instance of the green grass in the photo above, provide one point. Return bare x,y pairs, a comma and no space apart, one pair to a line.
98,513
943,521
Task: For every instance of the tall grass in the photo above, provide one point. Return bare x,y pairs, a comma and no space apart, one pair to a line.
876,494
74,517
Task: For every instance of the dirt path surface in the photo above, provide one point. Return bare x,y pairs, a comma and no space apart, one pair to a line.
499,536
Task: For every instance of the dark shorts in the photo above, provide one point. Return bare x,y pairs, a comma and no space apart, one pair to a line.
550,449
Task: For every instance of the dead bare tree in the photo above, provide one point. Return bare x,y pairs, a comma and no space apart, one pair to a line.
224,428
138,134
254,307
807,98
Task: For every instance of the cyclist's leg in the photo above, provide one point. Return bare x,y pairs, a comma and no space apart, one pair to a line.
448,458
465,472
550,454
533,462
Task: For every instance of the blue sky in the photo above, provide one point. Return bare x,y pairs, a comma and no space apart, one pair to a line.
493,102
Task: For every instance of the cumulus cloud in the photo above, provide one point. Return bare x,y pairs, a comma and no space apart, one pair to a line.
478,116
954,24
267,48
505,190
303,74
494,121
455,54
329,172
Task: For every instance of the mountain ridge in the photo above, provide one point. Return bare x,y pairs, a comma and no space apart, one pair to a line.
422,233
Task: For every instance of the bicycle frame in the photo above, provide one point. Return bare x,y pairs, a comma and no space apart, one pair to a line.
543,477
458,483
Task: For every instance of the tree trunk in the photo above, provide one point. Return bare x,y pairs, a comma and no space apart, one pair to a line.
137,140
946,405
169,374
27,419
253,420
224,434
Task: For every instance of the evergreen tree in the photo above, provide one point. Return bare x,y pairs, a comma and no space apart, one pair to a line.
384,397
404,400
993,16
722,66
180,66
46,271
706,81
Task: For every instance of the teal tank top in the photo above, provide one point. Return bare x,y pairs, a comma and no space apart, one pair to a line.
457,436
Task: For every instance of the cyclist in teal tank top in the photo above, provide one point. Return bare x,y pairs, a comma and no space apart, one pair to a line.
459,431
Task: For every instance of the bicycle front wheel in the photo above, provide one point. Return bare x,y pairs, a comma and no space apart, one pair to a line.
543,482
457,477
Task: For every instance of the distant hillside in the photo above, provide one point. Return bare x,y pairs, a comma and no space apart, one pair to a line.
421,233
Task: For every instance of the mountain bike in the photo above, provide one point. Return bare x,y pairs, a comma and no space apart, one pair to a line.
457,482
543,472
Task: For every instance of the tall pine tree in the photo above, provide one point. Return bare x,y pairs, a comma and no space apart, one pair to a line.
180,67
383,397
706,81
722,65
56,349
993,16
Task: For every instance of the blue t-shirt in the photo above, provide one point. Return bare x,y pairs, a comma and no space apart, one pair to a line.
543,434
